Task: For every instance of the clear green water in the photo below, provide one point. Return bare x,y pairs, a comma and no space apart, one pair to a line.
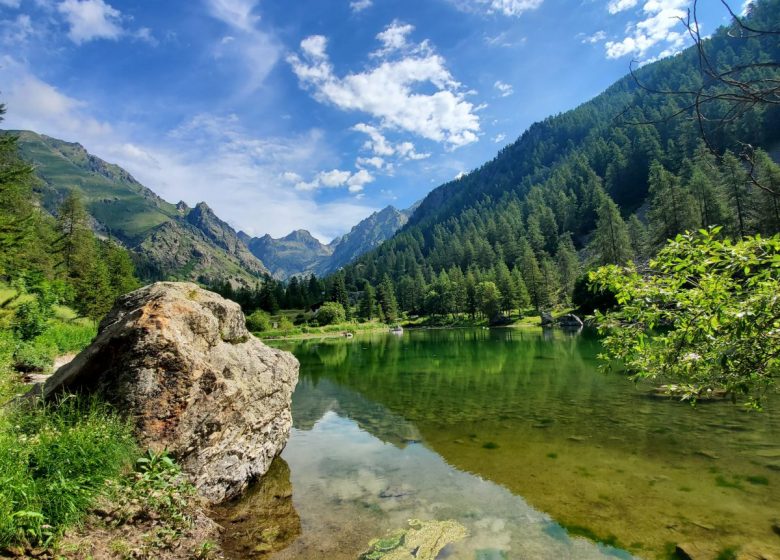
516,435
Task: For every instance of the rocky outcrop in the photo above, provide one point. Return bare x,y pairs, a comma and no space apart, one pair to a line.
180,363
547,319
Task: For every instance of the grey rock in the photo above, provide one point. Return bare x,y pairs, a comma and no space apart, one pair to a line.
570,321
179,362
547,319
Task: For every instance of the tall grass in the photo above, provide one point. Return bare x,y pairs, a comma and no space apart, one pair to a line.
54,461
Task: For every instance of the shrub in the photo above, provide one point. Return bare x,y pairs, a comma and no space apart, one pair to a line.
31,319
258,321
331,312
34,356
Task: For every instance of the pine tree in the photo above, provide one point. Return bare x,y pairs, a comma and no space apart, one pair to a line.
367,302
387,300
611,242
568,266
532,276
734,179
339,294
671,206
637,233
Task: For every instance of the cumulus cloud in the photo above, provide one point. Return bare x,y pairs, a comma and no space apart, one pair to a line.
616,6
395,91
360,5
498,138
503,7
504,89
657,29
378,144
597,37
393,38
91,19
332,179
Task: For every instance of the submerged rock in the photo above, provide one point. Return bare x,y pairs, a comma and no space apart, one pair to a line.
423,540
180,363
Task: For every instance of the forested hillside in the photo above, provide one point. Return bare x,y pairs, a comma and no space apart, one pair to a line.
605,182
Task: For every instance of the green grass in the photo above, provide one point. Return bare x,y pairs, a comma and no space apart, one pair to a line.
54,461
757,480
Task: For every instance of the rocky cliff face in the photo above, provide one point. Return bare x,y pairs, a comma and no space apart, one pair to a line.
179,361
297,253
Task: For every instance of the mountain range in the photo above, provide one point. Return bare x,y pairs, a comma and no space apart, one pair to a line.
174,241
301,253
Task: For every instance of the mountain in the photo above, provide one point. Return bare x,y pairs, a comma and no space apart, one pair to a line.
539,201
367,235
167,241
299,253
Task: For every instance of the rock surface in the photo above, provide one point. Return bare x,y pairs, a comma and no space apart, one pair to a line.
180,363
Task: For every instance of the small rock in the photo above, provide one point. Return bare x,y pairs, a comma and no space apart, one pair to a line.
696,551
707,454
776,527
547,319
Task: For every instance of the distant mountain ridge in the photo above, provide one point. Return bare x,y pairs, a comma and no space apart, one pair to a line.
168,241
300,253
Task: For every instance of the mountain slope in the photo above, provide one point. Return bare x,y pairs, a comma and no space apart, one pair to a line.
367,235
295,254
168,241
299,253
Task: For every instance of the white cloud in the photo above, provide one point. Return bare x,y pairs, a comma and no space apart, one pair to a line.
616,6
504,89
376,162
236,13
381,146
498,138
332,179
393,38
656,29
460,175
314,46
253,175
10,3
90,20
391,92
597,37
255,51
504,7
360,5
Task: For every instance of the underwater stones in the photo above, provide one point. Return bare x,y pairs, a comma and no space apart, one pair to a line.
423,540
179,362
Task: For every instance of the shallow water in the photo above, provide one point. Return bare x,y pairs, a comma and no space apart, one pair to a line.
516,435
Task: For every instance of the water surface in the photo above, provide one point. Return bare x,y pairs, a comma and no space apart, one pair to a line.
515,434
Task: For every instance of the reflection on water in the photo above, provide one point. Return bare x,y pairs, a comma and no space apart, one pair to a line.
471,424
264,520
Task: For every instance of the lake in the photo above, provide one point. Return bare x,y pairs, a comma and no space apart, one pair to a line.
516,435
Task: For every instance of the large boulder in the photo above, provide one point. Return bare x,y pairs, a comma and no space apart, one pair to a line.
180,363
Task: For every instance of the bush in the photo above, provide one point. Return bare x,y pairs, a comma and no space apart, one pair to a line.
258,321
34,356
31,319
68,337
589,297
331,312
54,461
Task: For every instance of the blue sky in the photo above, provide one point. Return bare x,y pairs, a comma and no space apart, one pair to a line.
286,114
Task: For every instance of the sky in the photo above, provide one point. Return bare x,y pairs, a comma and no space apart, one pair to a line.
285,114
